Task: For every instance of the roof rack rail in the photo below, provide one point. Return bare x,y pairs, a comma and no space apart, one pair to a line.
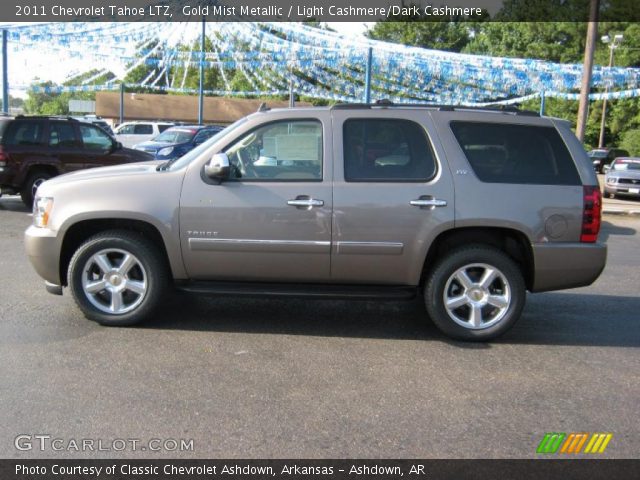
57,117
444,108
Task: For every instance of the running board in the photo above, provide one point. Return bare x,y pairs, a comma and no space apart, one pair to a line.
351,292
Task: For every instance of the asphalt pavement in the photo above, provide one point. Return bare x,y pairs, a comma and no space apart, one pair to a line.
247,378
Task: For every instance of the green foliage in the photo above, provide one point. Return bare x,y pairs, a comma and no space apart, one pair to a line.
58,103
452,36
631,142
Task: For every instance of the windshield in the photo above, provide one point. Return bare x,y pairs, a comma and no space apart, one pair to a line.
597,154
176,135
620,165
196,152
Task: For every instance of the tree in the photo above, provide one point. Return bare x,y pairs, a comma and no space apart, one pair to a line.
452,35
58,103
631,141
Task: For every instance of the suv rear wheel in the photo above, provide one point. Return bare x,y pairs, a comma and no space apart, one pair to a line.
31,185
117,278
475,293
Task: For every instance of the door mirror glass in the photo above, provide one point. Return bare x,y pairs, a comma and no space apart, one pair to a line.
218,167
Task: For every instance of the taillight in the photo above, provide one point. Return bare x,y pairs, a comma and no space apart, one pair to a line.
591,214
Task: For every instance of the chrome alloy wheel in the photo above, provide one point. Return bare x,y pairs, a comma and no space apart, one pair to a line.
477,296
114,281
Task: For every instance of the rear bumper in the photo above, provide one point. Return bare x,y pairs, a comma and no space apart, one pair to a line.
567,265
41,245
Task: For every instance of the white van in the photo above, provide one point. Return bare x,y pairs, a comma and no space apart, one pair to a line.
132,133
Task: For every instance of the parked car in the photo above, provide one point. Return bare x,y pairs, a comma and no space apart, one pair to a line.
34,149
176,141
132,133
623,178
468,207
601,157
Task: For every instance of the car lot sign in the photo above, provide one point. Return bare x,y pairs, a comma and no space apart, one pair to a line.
82,106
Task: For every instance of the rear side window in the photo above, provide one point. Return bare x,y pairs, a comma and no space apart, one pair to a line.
143,129
162,127
386,150
523,154
3,127
23,133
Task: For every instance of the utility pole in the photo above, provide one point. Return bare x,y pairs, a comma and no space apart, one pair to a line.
587,68
5,74
367,76
201,86
292,97
613,44
121,103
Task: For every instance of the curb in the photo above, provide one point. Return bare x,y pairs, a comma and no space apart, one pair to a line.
620,211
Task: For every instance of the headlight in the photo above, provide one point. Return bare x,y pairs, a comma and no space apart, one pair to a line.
612,180
41,211
163,152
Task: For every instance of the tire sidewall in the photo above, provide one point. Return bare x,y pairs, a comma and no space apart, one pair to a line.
144,251
436,282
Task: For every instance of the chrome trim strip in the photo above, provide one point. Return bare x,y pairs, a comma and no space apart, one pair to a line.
257,245
369,248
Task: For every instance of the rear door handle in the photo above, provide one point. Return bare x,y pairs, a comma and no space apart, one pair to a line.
428,202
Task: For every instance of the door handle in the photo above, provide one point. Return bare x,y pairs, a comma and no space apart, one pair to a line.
428,202
305,202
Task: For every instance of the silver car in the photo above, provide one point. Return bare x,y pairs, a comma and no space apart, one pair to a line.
468,208
623,178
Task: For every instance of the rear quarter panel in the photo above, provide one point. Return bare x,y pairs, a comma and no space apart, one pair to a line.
544,213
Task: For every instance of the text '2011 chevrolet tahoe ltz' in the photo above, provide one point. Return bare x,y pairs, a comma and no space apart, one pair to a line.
468,207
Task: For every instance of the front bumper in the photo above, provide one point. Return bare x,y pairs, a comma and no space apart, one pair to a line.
567,265
43,250
623,189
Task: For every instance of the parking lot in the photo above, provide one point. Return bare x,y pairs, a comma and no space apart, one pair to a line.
296,378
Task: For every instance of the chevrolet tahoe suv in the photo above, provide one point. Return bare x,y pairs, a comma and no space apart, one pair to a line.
469,208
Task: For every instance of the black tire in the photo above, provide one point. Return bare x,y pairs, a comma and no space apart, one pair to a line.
475,257
30,186
150,267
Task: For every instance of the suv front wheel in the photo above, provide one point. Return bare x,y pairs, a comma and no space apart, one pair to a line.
117,278
28,192
475,293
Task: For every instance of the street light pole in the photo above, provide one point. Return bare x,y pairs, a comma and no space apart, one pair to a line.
613,44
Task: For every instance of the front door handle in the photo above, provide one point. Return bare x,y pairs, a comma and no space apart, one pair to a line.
428,202
305,202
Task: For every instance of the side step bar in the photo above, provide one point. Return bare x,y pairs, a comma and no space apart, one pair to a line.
351,292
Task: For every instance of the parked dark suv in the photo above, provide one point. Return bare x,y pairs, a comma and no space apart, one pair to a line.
34,149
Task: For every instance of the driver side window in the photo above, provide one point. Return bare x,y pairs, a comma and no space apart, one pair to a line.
279,151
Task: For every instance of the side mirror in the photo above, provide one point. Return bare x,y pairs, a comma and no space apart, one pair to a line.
606,168
116,146
218,168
